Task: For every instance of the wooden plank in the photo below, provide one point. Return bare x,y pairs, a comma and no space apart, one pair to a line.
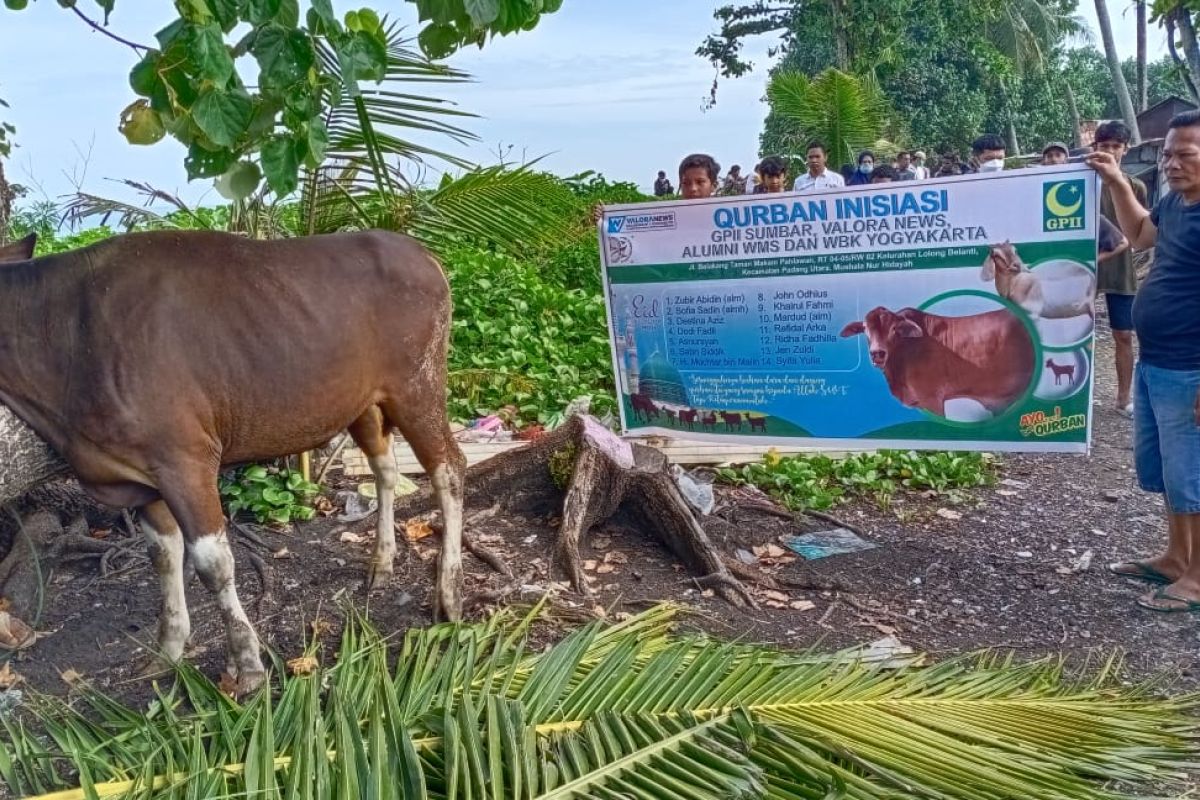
680,451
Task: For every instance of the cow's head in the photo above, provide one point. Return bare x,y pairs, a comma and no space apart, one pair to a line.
1002,258
886,332
18,251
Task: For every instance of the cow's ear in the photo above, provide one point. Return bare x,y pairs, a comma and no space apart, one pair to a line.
909,329
853,329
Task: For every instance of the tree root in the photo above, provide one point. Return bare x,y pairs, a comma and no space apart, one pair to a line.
758,577
589,475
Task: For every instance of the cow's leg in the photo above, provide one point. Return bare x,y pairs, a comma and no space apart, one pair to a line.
194,502
167,553
374,438
427,431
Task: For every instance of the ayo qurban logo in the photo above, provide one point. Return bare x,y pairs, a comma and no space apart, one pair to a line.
1063,206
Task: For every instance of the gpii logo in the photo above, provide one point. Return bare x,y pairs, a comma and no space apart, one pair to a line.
1063,206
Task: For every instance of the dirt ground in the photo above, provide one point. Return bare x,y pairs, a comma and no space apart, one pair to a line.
1006,574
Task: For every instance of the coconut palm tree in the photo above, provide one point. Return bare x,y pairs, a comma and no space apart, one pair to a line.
1120,87
845,112
1027,33
1142,89
631,710
377,152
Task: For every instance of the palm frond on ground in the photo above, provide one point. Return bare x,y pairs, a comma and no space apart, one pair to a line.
628,710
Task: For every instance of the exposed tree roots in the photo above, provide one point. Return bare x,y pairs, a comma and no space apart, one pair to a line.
589,476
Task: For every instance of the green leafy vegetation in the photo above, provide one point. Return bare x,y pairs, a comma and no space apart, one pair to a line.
306,63
819,482
525,338
628,710
271,494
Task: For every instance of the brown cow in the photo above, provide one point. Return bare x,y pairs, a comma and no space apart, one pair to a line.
152,360
21,250
928,359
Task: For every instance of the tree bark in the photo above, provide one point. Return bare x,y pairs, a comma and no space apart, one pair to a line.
1191,47
1076,121
1142,88
589,475
26,460
1188,78
1120,87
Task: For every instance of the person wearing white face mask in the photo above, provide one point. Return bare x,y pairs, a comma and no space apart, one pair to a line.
987,153
862,175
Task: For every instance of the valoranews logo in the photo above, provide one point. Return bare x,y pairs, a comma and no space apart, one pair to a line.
633,223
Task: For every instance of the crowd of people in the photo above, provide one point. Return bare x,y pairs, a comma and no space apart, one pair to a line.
988,154
1162,394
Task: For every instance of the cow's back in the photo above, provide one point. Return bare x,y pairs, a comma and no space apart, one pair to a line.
195,329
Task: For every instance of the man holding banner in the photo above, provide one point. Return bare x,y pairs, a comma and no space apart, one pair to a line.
1166,317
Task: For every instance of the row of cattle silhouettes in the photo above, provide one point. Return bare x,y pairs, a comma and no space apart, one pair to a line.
151,361
645,409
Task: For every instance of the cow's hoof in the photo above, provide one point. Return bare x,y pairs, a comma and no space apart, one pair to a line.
378,578
250,681
153,666
448,609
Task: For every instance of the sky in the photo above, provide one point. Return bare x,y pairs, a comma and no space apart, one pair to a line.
612,86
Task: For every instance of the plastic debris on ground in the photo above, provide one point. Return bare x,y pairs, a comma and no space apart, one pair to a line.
9,701
888,653
697,493
491,428
580,405
356,506
832,542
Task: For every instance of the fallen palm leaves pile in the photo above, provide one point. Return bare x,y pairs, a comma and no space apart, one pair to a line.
629,710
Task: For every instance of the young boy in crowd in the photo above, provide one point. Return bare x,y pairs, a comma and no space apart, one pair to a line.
884,173
698,176
1117,277
774,171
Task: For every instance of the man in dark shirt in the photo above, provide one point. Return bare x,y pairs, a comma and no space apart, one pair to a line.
1166,317
662,185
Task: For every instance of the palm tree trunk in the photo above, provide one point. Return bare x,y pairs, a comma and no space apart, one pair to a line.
1189,80
841,37
1187,37
1143,100
1076,122
1124,101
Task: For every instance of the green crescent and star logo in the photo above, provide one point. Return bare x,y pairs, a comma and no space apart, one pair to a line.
1063,207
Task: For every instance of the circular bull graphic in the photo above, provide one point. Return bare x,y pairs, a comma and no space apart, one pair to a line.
931,361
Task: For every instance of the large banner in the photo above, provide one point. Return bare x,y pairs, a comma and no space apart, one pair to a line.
955,313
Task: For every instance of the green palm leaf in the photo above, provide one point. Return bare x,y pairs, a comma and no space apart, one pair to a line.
512,207
630,710
374,134
844,112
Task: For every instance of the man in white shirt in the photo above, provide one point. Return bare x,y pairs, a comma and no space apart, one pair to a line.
818,178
